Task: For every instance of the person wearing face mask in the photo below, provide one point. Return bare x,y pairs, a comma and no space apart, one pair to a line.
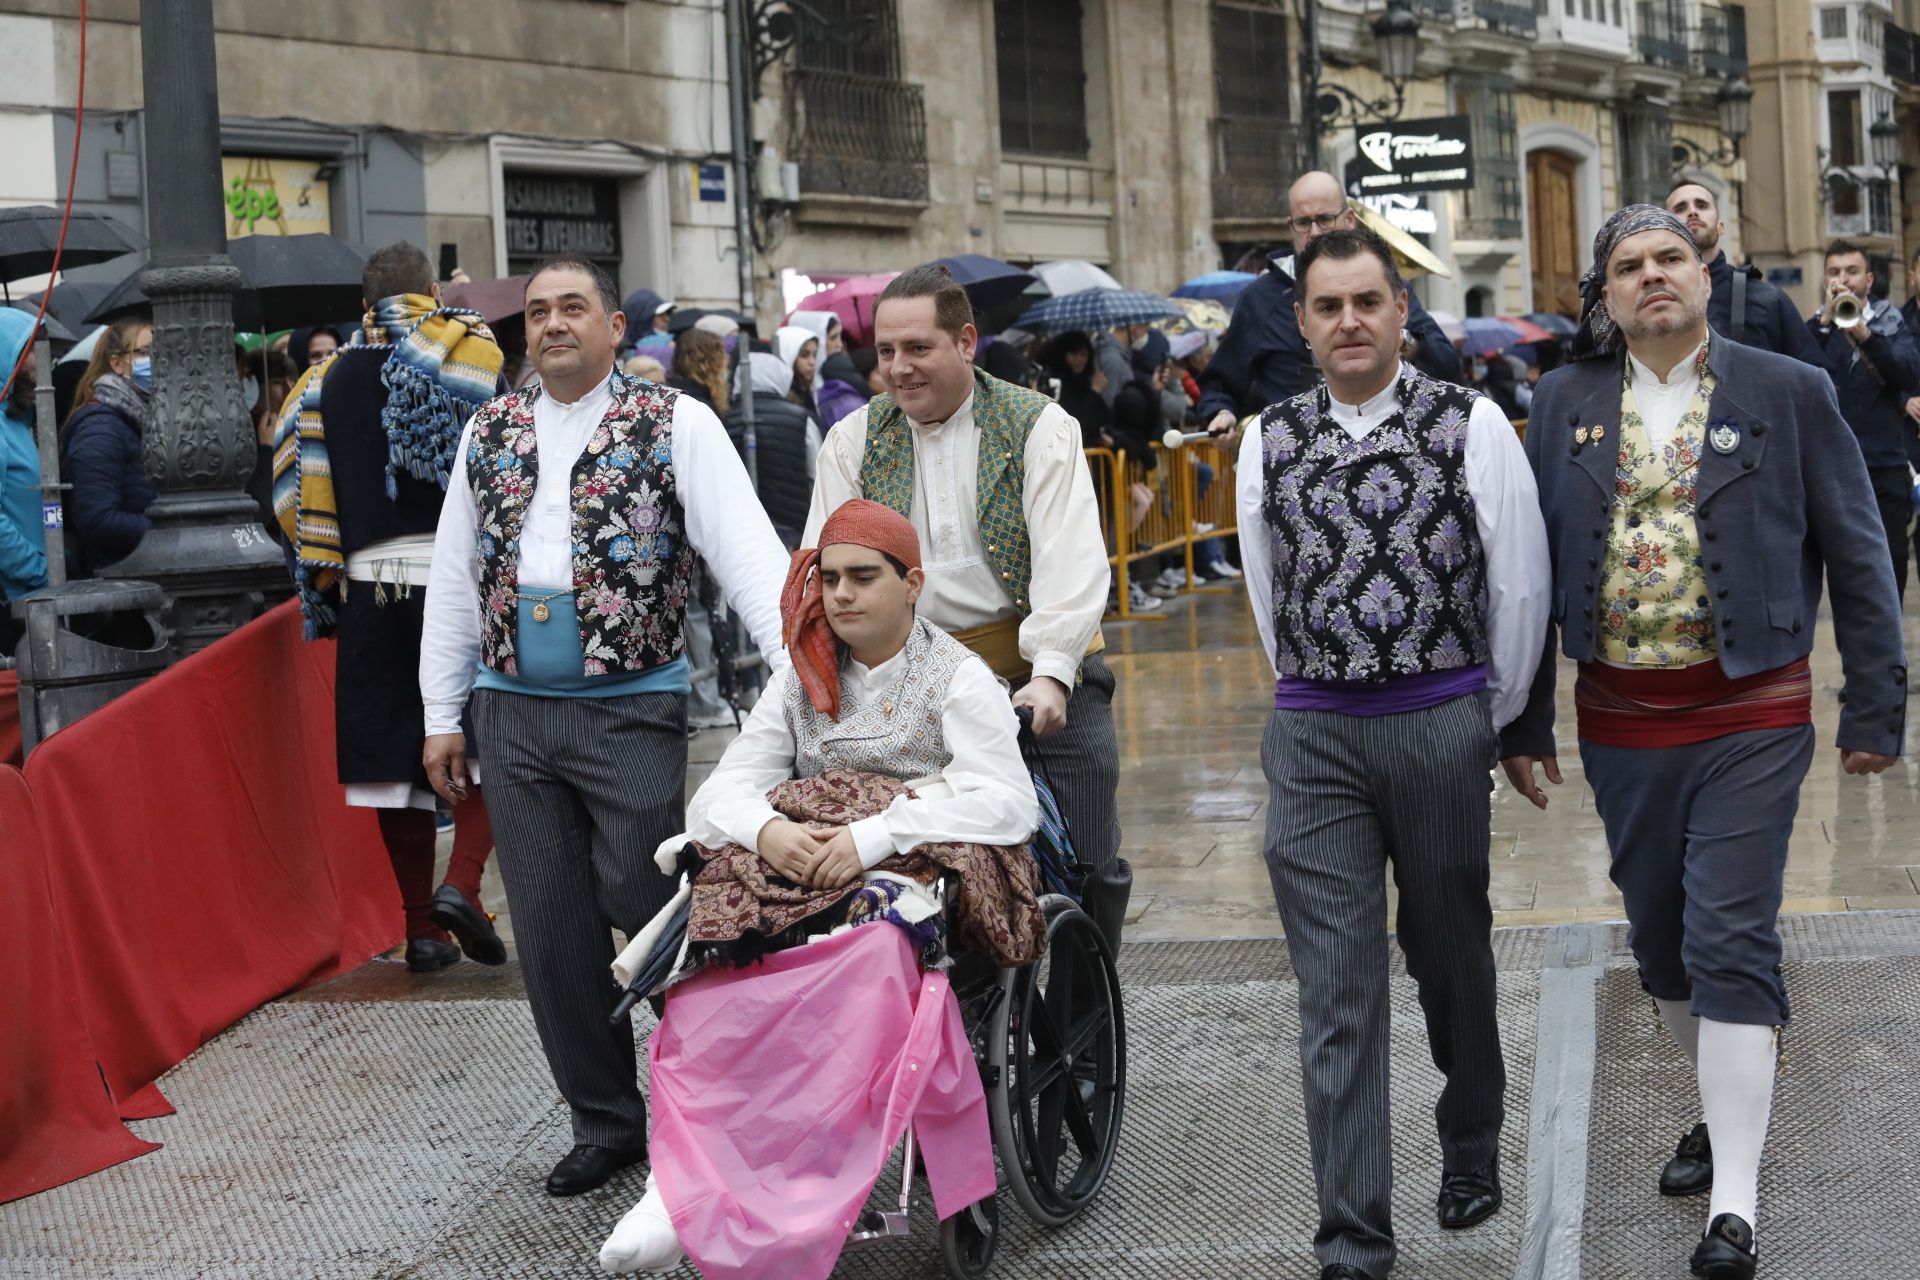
1697,492
23,548
101,455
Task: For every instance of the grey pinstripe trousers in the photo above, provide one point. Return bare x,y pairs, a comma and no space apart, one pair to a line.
1351,795
1082,762
580,791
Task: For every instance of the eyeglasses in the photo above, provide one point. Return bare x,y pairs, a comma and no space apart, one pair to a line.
1322,222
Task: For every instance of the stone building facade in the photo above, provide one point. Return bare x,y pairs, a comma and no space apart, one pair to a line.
1153,137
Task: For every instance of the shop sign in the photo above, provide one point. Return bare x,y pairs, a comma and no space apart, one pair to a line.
558,213
276,196
1435,154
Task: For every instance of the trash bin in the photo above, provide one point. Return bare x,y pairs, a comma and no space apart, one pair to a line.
64,674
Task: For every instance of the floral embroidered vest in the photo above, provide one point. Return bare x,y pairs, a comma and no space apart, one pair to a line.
631,559
1377,565
1005,415
898,733
1655,609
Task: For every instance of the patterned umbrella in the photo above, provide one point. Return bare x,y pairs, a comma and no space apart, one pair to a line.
1202,315
1093,309
1223,286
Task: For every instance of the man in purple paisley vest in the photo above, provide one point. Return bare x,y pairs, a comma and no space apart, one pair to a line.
557,599
1396,562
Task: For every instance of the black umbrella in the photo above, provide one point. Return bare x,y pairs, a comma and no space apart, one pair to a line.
74,300
686,317
286,281
28,236
989,282
56,332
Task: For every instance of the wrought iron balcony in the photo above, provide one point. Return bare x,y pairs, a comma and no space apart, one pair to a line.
861,135
1255,160
1515,17
1662,34
1723,43
1903,54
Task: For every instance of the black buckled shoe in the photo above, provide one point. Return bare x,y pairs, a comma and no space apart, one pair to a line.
1690,1172
1344,1271
586,1167
1726,1252
426,955
1468,1199
452,912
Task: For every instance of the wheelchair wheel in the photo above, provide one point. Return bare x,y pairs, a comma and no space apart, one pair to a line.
969,1239
1062,1085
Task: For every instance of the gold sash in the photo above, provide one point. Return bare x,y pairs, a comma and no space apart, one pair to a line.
998,644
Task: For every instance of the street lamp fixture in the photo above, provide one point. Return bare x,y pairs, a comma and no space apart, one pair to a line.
1735,103
1884,145
1396,39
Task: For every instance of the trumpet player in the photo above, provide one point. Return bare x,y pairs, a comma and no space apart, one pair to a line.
1875,362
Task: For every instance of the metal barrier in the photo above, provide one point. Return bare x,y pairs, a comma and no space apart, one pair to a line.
1178,516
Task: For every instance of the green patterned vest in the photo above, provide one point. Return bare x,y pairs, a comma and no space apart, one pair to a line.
1005,415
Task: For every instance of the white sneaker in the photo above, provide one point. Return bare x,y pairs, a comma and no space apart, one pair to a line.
1202,526
1141,600
644,1240
1171,580
1221,569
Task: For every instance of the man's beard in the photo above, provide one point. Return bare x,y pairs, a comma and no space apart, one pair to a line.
1706,240
1691,314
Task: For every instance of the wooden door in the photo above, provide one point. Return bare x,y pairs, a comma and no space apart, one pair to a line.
1553,227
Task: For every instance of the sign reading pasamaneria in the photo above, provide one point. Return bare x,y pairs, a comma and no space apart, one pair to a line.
1415,155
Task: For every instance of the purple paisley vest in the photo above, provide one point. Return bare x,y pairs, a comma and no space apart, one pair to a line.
1377,565
631,558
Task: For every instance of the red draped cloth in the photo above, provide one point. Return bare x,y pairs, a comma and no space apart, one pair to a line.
10,718
199,861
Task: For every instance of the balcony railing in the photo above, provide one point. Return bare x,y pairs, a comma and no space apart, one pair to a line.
1903,54
861,135
1662,34
1255,160
1723,43
1515,17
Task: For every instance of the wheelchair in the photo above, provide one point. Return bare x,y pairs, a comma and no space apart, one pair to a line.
1050,1042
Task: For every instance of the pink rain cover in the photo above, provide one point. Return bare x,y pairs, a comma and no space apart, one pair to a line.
779,1092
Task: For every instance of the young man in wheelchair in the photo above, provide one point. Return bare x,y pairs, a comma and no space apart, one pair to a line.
879,780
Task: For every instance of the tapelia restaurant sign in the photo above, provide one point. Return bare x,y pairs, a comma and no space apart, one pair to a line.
1415,155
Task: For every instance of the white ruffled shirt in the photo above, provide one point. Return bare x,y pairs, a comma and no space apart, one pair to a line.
1513,537
993,800
1069,587
1663,401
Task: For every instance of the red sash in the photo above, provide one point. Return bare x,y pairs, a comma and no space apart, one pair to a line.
1677,706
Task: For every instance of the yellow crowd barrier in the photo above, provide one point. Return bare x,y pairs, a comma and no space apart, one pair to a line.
1159,511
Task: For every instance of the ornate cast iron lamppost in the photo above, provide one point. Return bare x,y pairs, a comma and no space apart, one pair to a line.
206,547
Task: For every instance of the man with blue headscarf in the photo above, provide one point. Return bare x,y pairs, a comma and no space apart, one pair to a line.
23,548
1696,493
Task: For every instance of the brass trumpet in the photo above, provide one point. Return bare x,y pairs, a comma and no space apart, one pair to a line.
1844,311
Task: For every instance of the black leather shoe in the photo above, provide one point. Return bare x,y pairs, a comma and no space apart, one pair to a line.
452,912
585,1167
1468,1199
1690,1172
424,955
1344,1271
1726,1252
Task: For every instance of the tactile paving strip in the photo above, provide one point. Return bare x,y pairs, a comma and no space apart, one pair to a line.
385,1127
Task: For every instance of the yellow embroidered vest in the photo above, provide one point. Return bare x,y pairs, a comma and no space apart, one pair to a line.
1655,610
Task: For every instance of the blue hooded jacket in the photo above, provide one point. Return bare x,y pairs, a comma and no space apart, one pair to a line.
23,545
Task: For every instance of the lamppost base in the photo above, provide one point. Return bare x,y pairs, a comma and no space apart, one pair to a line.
218,567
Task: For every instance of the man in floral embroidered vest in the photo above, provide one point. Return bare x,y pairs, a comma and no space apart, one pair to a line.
1396,566
992,477
557,596
1696,493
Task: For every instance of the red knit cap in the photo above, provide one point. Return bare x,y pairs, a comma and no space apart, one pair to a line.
809,637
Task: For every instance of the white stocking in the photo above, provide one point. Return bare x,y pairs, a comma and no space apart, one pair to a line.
1682,1026
1736,1092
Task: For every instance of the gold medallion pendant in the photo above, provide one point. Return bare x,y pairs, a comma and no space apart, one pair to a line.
540,612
